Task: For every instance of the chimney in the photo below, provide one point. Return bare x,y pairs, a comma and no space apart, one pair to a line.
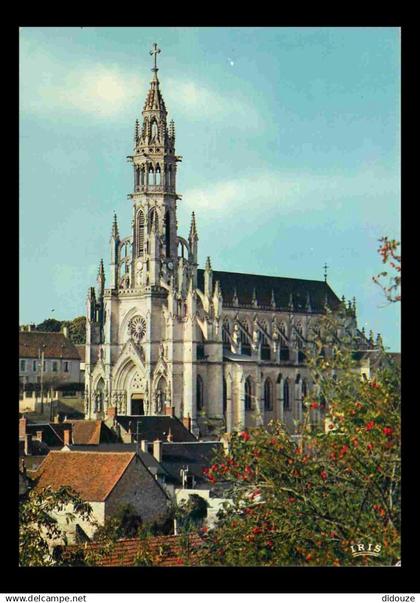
169,410
111,412
67,437
39,435
170,437
22,426
28,444
143,445
157,450
187,422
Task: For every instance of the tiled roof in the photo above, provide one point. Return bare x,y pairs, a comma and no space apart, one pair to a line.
93,475
156,427
244,284
163,551
81,348
148,459
194,455
90,432
56,345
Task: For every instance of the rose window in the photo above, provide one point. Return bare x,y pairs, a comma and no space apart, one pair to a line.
137,328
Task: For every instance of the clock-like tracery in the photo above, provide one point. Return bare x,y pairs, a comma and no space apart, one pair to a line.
137,327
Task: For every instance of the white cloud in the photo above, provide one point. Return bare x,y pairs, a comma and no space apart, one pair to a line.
196,100
48,85
293,193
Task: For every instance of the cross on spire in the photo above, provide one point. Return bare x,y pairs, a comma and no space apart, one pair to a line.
155,51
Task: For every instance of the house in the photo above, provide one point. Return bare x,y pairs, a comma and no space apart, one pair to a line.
81,348
177,466
61,358
49,369
184,463
107,481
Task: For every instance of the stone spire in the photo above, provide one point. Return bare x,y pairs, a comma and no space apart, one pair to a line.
291,304
136,132
235,300
154,99
273,299
208,278
101,278
114,232
193,236
254,298
308,306
115,254
172,130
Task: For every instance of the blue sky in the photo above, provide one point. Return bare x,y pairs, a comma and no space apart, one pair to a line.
290,145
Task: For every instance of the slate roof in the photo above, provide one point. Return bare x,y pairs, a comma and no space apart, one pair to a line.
194,455
90,432
166,551
156,427
264,285
56,345
81,348
52,433
93,475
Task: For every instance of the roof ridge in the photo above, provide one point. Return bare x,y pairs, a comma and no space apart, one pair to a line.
291,278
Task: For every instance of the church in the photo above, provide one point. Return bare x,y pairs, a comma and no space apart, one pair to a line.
220,350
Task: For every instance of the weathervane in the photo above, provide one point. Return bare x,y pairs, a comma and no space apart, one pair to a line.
155,51
325,271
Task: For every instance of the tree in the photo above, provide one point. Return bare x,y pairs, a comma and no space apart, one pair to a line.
77,329
321,497
124,524
190,513
39,531
51,325
389,252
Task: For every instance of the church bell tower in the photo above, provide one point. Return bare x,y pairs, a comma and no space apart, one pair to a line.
154,237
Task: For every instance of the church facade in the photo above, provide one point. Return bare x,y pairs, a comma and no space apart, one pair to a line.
220,349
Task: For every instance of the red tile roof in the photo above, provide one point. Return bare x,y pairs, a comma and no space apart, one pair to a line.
56,345
92,474
164,551
86,432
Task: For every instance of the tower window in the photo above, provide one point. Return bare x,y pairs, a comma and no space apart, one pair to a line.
268,395
168,234
200,393
286,395
248,394
140,233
